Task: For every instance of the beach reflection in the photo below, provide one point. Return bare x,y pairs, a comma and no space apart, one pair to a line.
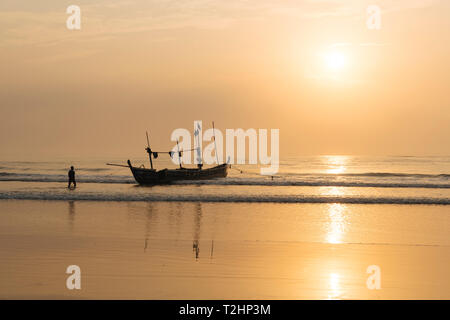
71,218
331,191
334,286
337,221
276,251
150,216
197,229
197,232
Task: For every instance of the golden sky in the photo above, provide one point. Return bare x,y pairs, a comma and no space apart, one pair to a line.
310,68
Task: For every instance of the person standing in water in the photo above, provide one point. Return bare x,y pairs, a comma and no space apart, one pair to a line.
72,178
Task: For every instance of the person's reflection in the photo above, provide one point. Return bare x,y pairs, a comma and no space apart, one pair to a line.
197,227
71,212
195,248
211,254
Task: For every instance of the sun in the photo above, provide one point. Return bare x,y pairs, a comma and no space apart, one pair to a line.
335,60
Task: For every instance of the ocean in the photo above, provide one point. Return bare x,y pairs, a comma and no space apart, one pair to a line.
309,232
323,179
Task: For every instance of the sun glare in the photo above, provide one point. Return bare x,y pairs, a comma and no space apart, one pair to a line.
335,60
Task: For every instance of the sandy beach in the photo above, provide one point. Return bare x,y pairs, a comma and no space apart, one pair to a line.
138,250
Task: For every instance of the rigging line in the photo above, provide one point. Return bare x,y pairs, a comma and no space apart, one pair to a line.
172,151
215,145
256,174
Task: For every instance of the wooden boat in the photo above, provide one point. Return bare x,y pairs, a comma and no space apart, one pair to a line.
146,176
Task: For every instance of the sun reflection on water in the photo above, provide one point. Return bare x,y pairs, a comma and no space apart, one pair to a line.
336,164
331,191
334,286
337,223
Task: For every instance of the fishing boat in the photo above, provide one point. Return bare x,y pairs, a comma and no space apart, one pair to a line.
146,176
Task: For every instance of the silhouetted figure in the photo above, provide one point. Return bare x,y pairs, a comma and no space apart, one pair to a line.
72,178
195,248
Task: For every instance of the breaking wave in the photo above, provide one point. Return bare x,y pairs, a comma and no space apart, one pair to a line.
80,196
376,180
19,177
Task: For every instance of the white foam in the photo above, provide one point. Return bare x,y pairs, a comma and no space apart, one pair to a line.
315,181
221,198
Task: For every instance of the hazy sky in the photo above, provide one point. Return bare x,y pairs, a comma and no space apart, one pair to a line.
311,68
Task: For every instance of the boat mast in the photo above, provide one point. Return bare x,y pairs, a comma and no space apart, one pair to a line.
215,145
149,151
179,155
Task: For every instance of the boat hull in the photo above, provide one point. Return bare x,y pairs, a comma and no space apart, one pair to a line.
145,176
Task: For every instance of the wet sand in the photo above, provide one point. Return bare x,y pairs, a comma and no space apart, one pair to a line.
144,250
